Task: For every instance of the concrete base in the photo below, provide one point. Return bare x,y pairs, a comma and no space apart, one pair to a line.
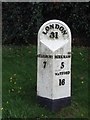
54,105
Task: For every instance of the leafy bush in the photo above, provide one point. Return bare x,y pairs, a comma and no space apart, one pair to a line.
21,21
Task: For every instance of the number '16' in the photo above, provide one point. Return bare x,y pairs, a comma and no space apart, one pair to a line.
61,82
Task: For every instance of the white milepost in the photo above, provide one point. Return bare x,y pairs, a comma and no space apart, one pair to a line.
54,65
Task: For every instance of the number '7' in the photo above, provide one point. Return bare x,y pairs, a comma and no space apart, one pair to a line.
44,64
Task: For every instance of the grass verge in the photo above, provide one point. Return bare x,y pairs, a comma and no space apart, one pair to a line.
19,81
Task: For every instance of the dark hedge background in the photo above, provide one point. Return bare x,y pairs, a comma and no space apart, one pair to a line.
21,21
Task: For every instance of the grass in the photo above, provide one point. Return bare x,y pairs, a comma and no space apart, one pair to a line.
19,81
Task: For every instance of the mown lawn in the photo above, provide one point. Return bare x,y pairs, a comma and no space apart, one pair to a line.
19,81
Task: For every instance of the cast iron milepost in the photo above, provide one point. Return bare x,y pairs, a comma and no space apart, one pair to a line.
54,65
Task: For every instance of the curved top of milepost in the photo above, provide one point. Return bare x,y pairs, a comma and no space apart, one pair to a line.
54,21
54,34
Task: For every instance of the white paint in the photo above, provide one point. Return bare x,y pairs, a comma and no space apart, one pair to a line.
47,81
54,45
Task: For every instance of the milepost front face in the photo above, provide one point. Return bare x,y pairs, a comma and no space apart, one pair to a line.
54,64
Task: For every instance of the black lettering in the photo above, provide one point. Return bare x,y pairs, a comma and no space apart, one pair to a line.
47,28
61,28
50,56
44,64
52,26
55,73
64,56
61,56
46,56
62,65
63,73
55,56
56,35
61,82
44,32
64,32
52,35
68,72
38,55
56,26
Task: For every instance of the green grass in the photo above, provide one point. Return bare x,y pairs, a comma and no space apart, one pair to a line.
19,81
